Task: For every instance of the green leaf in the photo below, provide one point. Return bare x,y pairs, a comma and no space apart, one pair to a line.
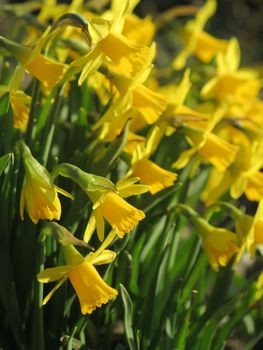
70,341
4,161
112,153
155,200
4,104
128,319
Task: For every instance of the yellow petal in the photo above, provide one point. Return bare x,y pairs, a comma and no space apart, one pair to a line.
254,186
106,257
65,193
120,214
129,57
207,46
91,290
218,152
53,273
149,103
46,70
91,226
153,175
99,224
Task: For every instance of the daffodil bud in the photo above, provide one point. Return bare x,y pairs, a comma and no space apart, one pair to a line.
61,234
88,182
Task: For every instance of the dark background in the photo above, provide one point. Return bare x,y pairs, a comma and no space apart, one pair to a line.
240,18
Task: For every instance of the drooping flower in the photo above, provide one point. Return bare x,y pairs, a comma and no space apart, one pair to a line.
249,228
107,202
242,176
39,195
19,100
219,243
198,42
210,147
91,289
48,71
121,215
134,101
20,103
110,46
150,173
231,83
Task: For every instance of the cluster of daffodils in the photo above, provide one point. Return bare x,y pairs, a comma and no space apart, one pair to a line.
215,128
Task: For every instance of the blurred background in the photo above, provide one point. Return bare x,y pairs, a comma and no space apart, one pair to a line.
240,18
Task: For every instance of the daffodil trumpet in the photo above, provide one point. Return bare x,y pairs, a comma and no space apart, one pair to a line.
91,289
39,194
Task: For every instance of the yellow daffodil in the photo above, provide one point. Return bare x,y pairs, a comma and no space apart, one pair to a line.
259,287
91,289
135,102
48,71
39,194
198,42
139,31
153,175
107,201
19,101
110,46
210,147
232,84
249,228
177,113
219,244
121,215
149,173
242,176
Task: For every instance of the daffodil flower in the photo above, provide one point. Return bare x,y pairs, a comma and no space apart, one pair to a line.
46,70
91,289
39,195
220,244
249,228
242,176
209,147
107,201
122,216
134,101
20,101
198,42
232,84
111,47
149,173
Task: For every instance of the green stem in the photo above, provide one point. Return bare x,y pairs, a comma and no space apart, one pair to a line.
32,113
37,342
49,130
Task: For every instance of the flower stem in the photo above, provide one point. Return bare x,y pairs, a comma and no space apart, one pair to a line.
37,341
32,113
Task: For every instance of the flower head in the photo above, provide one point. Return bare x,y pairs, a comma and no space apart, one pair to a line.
39,194
119,213
219,243
90,288
48,71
